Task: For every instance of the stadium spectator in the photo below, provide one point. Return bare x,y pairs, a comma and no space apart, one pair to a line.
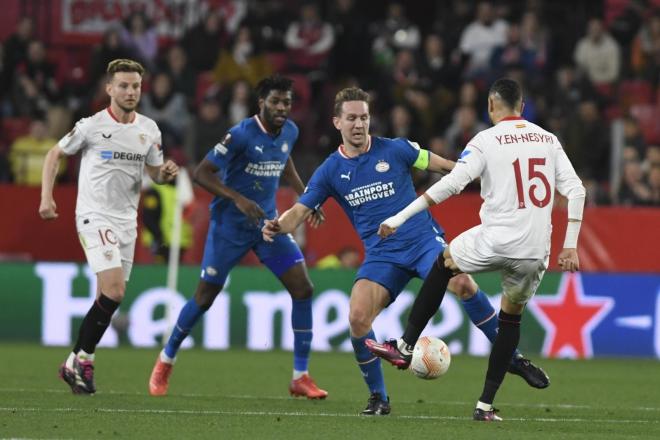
632,135
309,40
168,108
464,127
634,190
654,184
480,38
111,48
239,105
184,79
202,42
206,127
138,35
597,55
586,143
35,88
27,154
395,33
352,41
241,61
15,50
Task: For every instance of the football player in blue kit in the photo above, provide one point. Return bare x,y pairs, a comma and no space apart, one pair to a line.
370,178
243,173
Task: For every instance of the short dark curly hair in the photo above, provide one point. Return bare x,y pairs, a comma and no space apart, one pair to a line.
274,82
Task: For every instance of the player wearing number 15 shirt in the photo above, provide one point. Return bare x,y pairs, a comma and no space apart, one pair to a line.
520,166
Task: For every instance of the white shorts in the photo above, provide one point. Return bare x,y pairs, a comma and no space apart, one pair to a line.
106,246
520,277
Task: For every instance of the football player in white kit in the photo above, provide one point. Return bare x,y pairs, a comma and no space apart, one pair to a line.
520,166
116,144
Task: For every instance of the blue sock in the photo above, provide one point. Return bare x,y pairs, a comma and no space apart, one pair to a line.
483,315
301,323
190,314
372,372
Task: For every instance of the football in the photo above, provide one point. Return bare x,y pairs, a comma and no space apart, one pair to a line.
431,358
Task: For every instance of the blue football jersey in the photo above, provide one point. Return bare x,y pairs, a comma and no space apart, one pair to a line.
251,161
372,187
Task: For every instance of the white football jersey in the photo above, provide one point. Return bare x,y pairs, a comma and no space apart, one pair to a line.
520,165
113,159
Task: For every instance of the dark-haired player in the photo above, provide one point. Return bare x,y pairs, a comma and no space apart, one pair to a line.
520,166
243,173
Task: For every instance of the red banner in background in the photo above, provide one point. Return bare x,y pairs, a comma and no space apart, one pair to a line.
612,239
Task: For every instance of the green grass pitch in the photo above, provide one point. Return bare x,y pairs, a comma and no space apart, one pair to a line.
240,394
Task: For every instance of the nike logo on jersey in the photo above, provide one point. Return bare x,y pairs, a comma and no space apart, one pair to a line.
259,148
106,136
346,176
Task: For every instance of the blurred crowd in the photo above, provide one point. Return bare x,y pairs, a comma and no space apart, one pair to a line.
590,72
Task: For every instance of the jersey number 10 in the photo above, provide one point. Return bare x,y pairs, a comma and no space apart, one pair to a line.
533,173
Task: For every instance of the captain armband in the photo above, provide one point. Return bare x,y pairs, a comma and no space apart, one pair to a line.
422,161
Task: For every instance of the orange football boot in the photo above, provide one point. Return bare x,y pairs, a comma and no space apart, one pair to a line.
306,387
160,378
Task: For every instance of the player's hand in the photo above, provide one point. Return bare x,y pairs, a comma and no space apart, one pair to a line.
568,260
316,218
168,171
270,230
48,209
251,209
384,230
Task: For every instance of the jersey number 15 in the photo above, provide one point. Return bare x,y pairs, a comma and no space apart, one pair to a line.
533,174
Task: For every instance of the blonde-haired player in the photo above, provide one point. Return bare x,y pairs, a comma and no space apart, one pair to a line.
117,144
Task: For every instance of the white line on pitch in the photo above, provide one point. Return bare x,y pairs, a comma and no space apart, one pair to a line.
251,397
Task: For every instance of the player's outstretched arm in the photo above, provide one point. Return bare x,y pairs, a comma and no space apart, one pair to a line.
164,173
287,222
47,207
390,225
291,177
439,164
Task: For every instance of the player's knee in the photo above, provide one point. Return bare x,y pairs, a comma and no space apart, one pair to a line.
115,290
302,292
359,320
204,296
463,286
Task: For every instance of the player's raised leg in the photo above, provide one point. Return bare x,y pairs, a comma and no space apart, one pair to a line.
368,299
297,282
481,312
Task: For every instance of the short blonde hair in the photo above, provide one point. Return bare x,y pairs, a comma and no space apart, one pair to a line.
123,65
349,94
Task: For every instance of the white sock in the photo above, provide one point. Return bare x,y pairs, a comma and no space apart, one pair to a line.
83,356
403,347
69,361
165,358
484,406
298,374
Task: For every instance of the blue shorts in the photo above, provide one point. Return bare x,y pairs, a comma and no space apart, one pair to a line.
395,271
225,248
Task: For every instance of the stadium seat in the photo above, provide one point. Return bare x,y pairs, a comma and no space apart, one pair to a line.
13,128
634,92
205,84
278,61
648,116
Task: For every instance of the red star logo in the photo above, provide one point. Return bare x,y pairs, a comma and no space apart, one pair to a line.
569,318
